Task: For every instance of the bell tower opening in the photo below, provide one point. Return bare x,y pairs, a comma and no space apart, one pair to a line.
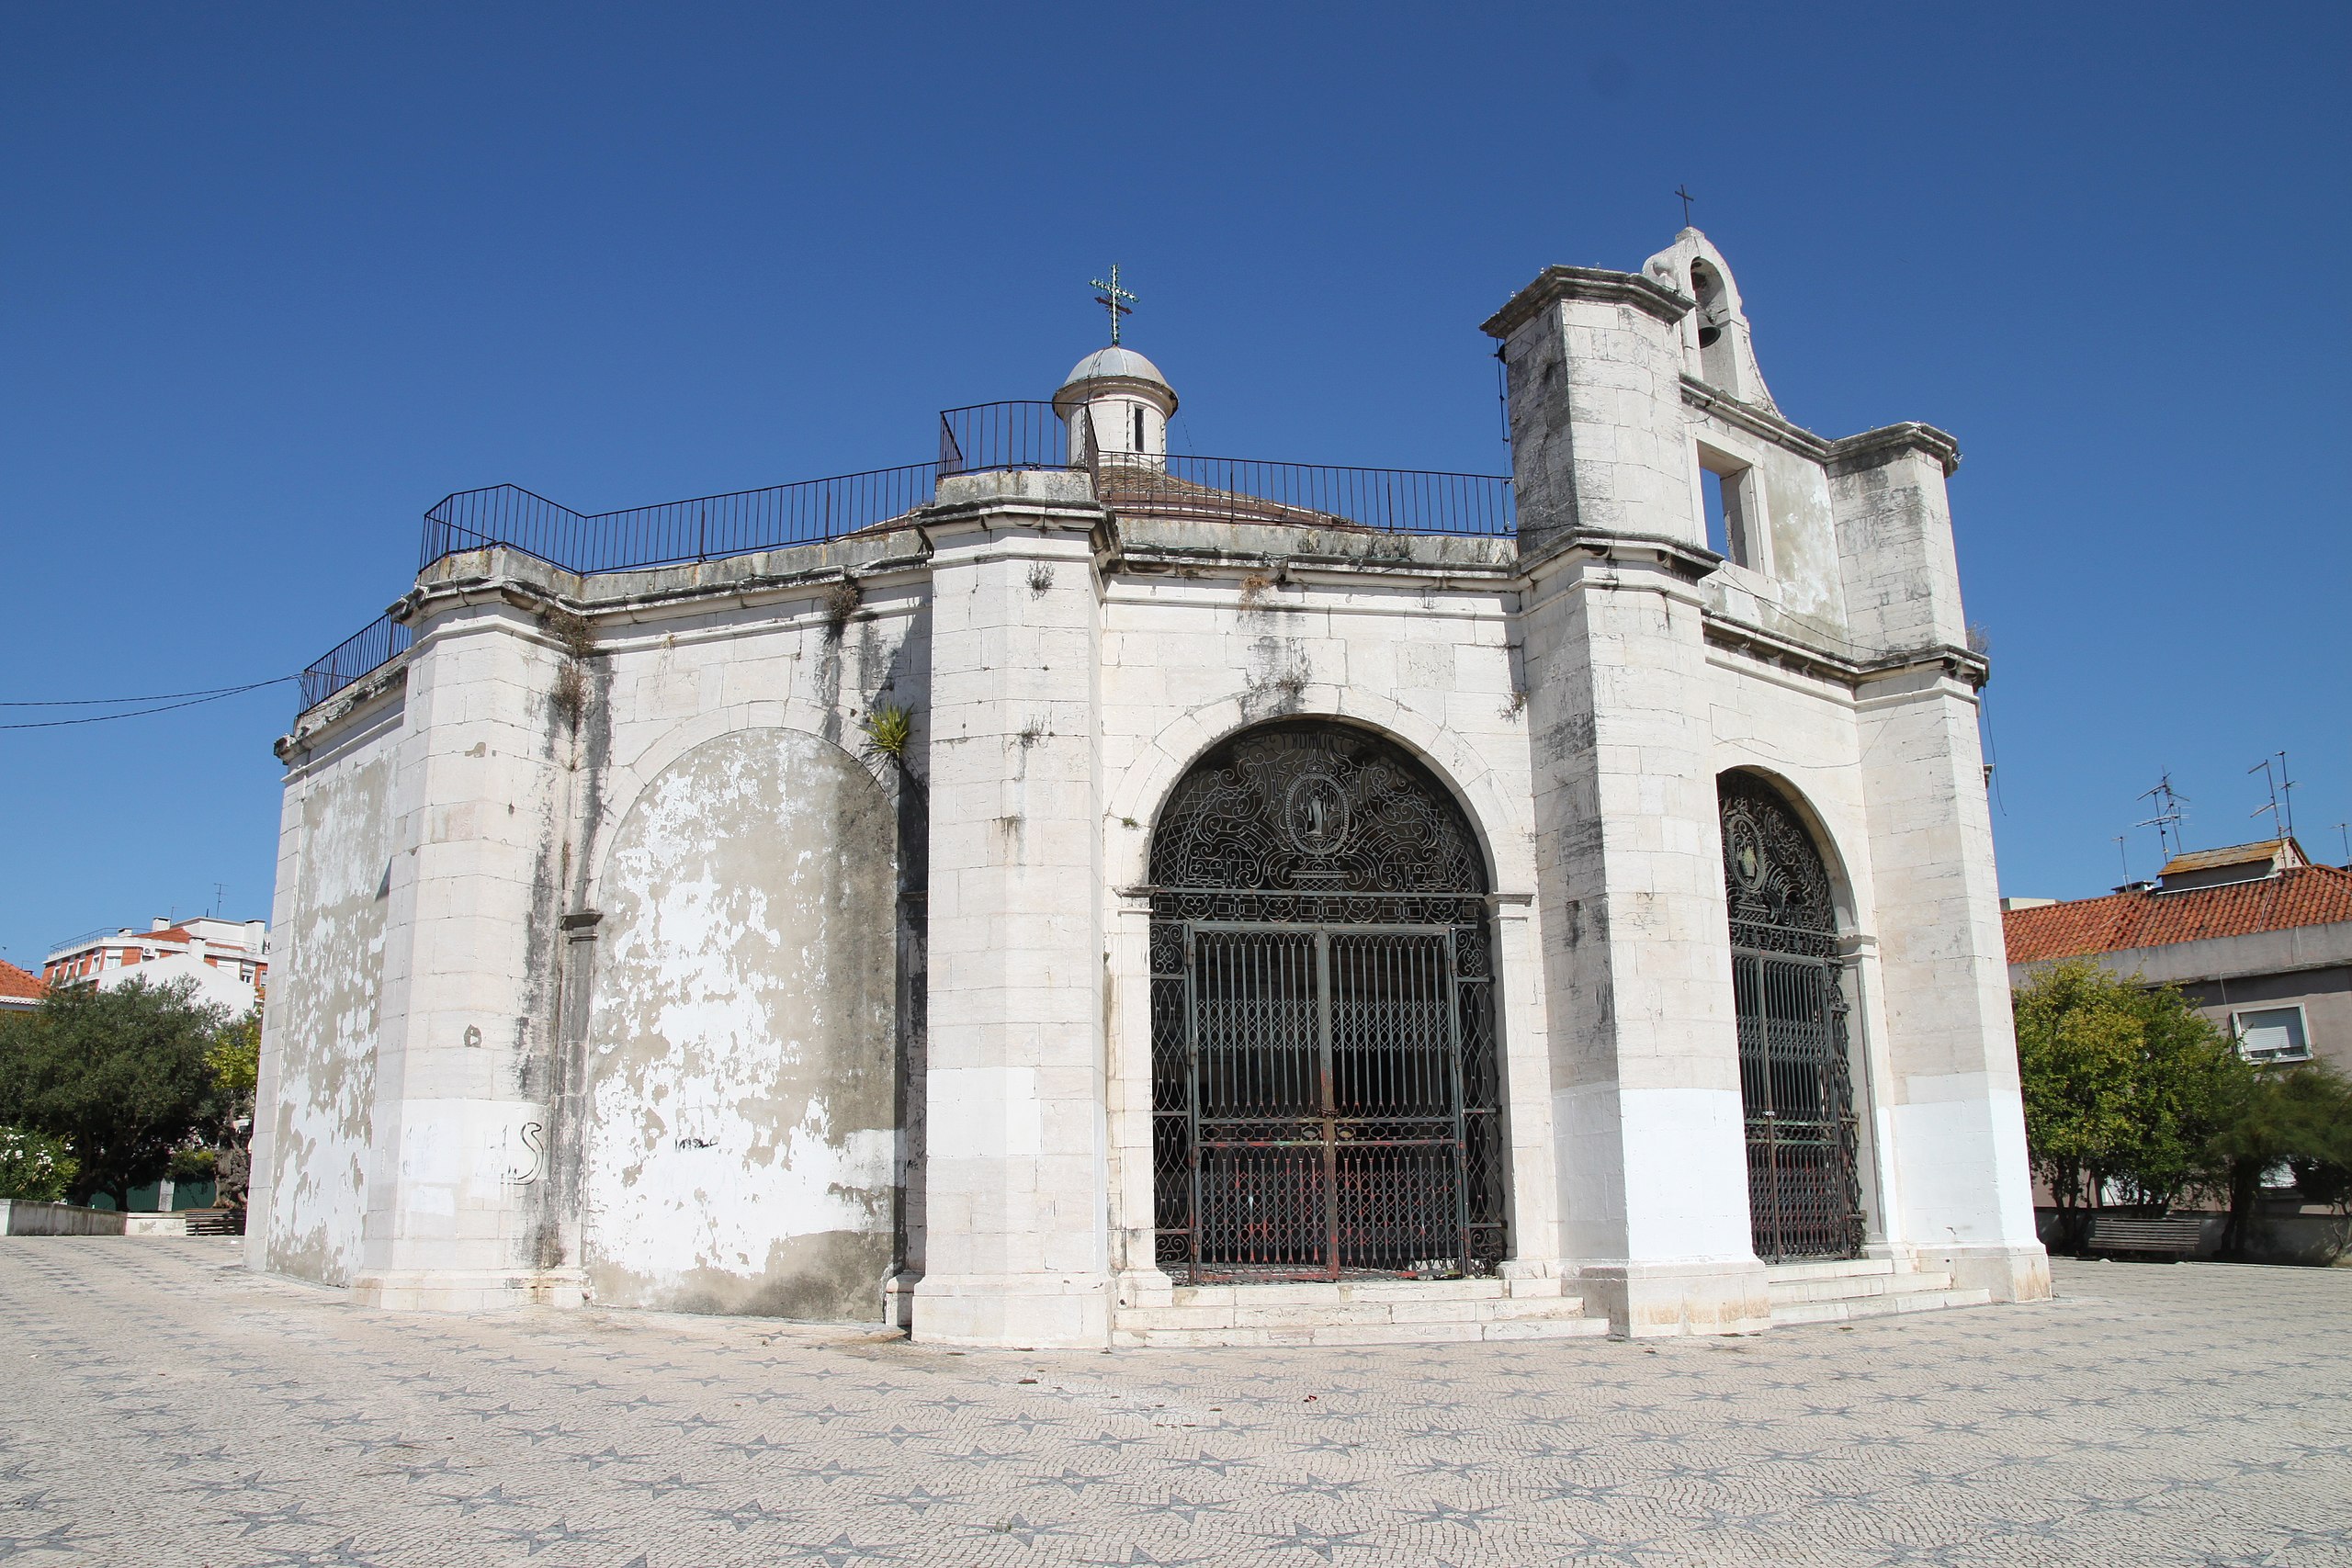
1718,363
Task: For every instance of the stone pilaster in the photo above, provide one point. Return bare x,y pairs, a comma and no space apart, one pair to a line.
1644,1054
1954,1111
458,1207
1644,1067
1017,1202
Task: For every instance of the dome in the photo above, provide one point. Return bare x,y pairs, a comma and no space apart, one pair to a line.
1106,362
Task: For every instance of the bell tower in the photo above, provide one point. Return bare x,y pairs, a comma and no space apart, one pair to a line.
1119,401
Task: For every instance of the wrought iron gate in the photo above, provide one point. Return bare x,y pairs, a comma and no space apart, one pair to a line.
1324,1091
1796,1087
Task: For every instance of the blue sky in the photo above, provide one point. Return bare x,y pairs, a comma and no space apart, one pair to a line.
273,280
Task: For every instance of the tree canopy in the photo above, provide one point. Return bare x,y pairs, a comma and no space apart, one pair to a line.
2131,1093
121,1075
2124,1085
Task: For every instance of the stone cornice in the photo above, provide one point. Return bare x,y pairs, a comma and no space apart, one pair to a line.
1555,284
1874,447
339,709
1149,546
1156,561
1762,424
1848,669
1846,455
527,583
1679,557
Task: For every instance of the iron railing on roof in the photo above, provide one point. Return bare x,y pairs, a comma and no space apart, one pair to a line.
1245,489
373,646
979,437
1003,435
710,527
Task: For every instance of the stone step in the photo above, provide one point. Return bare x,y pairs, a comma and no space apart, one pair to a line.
1834,1286
1346,1292
1829,1269
1129,1336
1374,1311
1253,1314
1848,1308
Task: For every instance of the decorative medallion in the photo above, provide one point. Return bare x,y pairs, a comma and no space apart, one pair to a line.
1307,804
1746,860
1316,812
1773,878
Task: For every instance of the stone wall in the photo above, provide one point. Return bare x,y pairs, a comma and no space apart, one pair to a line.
742,1066
315,1105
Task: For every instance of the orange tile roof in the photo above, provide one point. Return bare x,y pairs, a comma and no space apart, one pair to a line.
2308,896
16,983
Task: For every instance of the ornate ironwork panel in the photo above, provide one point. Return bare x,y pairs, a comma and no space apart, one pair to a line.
1326,1093
1796,1087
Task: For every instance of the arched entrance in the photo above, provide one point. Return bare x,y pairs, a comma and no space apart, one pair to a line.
1326,1097
1796,1088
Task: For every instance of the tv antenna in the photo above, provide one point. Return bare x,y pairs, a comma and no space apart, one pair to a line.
2125,856
2166,821
2282,795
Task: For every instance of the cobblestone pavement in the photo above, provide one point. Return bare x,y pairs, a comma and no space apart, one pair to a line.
164,1406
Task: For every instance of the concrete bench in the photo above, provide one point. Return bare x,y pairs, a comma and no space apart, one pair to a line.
2173,1237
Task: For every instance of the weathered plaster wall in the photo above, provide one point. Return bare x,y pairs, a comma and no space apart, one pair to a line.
317,1096
742,1086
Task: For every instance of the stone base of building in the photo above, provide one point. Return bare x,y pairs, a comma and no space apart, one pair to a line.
469,1290
1013,1312
1154,1312
2007,1272
1651,1300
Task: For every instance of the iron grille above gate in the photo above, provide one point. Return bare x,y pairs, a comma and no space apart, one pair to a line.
1326,1097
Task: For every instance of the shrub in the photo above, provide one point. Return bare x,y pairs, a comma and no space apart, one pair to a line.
35,1166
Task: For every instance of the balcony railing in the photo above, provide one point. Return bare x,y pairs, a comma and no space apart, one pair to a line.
1002,435
377,643
710,527
980,438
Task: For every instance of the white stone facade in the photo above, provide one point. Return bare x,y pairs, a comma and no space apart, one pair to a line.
624,956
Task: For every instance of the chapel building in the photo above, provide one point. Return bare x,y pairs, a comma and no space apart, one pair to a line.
1072,894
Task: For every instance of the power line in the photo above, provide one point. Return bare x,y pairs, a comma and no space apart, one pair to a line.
195,701
150,697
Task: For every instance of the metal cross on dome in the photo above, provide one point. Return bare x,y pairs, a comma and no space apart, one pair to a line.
1112,298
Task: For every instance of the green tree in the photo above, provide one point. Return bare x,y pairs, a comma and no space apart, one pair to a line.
234,1061
121,1075
2296,1117
2124,1087
34,1167
2079,1039
2188,1080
